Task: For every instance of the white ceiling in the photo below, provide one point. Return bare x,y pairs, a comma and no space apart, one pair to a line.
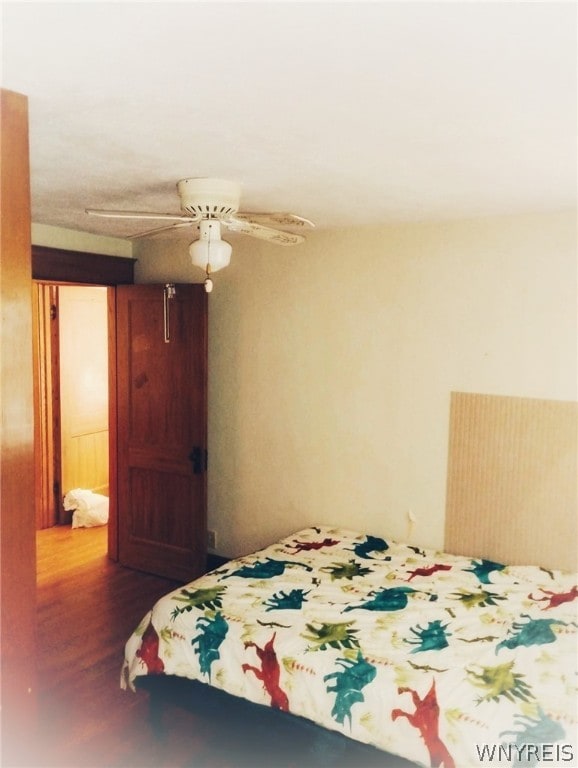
346,113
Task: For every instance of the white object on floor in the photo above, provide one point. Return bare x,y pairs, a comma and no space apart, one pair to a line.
90,509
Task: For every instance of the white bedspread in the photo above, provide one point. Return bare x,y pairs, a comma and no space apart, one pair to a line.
444,660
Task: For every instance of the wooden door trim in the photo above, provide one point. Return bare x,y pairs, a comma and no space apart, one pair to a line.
56,265
112,431
46,406
55,436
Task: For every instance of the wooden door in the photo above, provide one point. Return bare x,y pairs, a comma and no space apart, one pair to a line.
161,405
17,517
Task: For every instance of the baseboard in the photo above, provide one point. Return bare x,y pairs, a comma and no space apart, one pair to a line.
215,561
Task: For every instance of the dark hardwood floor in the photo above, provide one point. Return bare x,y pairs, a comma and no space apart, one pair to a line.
87,608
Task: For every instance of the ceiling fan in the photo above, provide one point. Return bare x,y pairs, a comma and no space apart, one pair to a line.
208,203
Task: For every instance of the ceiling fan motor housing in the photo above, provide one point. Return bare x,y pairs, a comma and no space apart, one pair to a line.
209,198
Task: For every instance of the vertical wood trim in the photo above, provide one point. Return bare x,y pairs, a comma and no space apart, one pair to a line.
112,429
512,491
43,430
60,516
17,492
38,373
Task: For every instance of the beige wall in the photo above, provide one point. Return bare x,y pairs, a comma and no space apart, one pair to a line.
68,239
331,364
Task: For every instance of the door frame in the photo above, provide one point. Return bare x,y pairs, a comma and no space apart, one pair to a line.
46,381
56,265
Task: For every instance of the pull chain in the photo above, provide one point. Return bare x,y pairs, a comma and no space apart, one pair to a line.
208,282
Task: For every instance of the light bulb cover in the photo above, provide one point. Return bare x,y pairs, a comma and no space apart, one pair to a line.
216,256
210,253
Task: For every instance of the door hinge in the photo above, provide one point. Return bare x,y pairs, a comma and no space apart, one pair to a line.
53,311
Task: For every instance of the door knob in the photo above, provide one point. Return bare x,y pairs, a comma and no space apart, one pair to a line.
199,459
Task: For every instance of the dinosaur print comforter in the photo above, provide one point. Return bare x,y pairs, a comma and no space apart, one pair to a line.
441,659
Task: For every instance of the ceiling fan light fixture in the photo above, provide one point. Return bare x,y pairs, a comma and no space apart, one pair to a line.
210,253
207,203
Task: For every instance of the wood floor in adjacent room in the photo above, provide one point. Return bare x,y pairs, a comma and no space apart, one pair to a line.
87,608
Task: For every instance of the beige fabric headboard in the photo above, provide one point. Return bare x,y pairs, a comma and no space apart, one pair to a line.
512,487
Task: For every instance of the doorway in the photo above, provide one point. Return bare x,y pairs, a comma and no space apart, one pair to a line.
71,362
58,266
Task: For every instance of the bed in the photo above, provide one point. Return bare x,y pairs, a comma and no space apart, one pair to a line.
437,658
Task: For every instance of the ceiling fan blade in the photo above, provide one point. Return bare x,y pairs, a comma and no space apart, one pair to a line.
263,233
281,219
139,215
167,228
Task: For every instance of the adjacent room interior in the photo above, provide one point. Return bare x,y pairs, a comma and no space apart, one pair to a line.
71,359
